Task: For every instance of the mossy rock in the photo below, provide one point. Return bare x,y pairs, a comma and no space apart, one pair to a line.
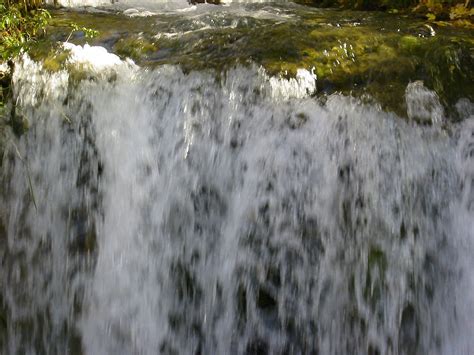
134,48
409,43
56,61
351,52
3,323
375,277
19,124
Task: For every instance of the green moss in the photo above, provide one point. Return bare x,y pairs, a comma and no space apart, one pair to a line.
56,61
377,259
375,277
409,43
135,48
352,53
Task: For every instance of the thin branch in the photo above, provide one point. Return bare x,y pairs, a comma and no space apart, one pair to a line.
28,176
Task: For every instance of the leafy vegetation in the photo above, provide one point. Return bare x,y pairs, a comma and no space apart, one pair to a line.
19,28
456,12
387,4
22,24
88,32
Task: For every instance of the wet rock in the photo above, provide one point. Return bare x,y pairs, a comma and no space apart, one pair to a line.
265,301
377,259
264,213
344,173
84,235
56,60
174,225
234,143
198,349
410,43
110,41
214,2
408,333
187,287
311,237
85,242
3,233
464,108
416,231
403,230
431,269
5,79
257,346
254,238
376,267
137,48
423,105
175,321
424,30
297,120
242,303
207,200
273,276
167,349
75,344
372,350
3,323
346,213
267,305
19,123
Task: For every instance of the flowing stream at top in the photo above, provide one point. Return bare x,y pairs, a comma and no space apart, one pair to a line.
153,211
147,4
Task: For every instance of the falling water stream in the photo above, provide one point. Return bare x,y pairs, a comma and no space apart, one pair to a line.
156,210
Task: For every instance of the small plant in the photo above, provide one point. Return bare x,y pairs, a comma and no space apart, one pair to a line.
88,32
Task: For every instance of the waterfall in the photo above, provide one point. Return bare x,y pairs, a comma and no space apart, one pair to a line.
155,211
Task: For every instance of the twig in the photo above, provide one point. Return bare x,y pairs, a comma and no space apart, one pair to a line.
28,176
67,119
69,37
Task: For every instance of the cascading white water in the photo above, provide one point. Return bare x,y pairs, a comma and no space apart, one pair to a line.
144,4
196,213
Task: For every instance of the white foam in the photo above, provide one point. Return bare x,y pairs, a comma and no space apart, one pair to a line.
4,68
94,57
302,85
423,104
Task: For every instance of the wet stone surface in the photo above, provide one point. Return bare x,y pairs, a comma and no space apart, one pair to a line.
365,54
